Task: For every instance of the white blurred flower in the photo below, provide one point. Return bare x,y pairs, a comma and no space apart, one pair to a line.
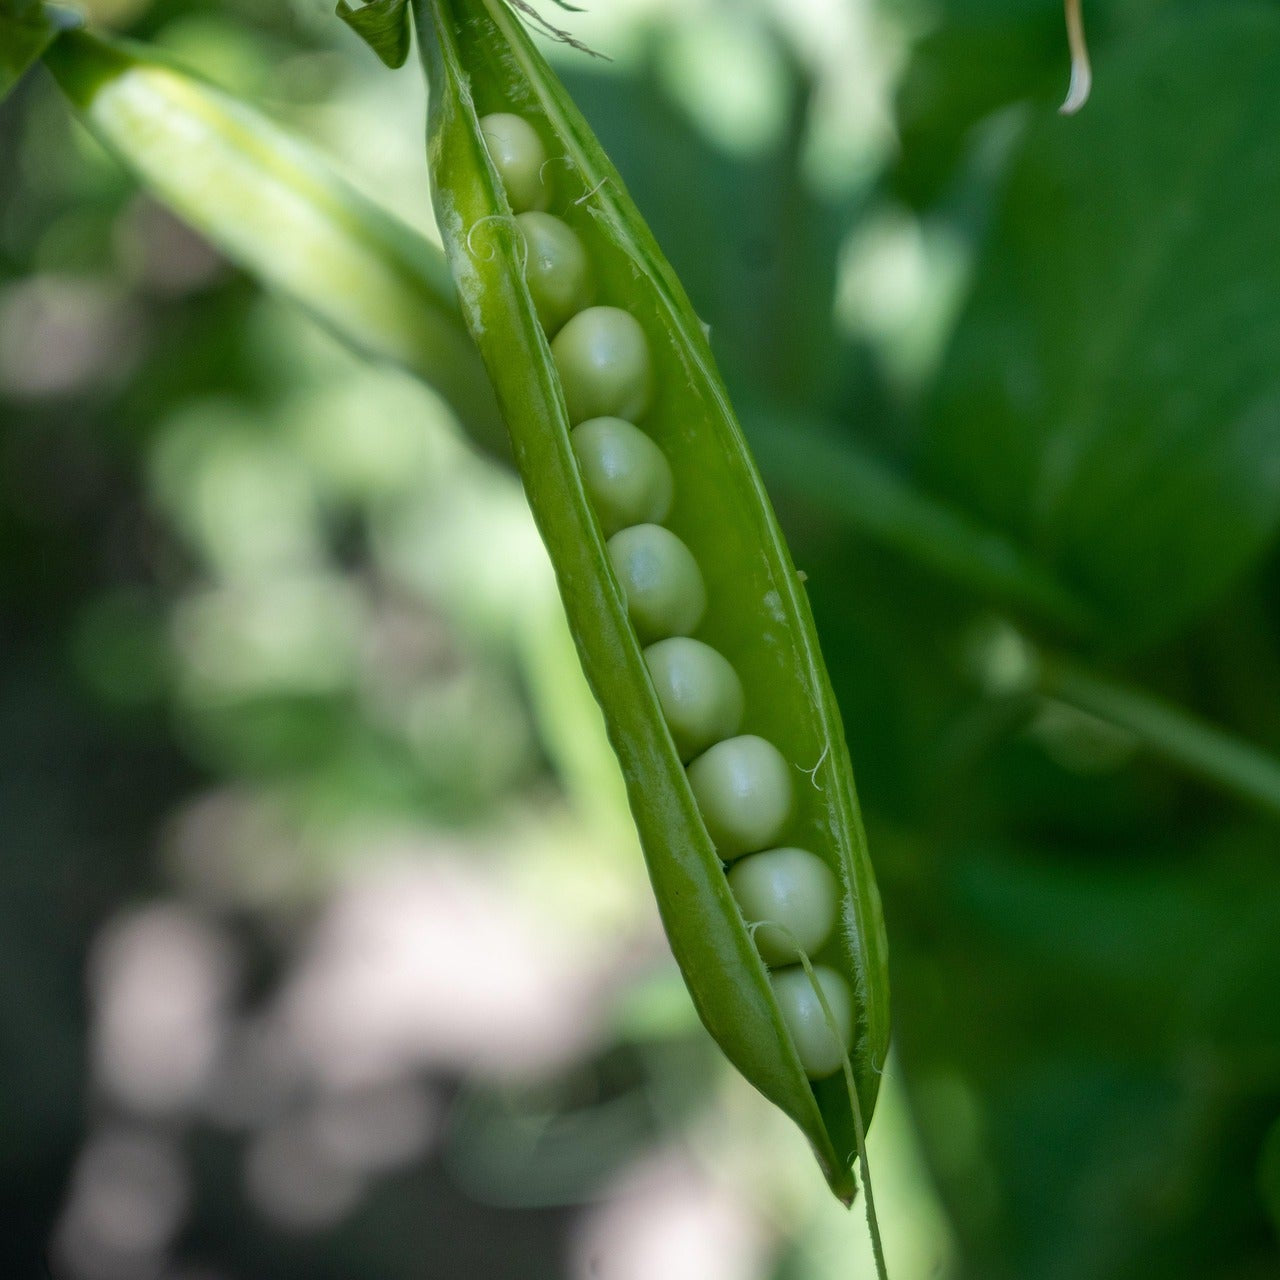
664,1218
437,963
160,979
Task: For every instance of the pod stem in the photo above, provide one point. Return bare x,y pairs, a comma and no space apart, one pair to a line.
859,1128
1081,71
855,1103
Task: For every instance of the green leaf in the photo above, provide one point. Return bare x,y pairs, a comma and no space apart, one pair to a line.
27,29
1091,1035
383,25
1112,399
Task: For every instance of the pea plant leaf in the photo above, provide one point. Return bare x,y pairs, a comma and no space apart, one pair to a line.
1112,396
1079,988
383,25
27,29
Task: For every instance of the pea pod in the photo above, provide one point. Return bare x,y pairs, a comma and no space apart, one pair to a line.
272,204
786,779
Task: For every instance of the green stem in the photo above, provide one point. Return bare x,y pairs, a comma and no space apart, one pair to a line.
1166,730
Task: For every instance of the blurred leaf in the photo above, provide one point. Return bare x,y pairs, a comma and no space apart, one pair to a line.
1089,1040
746,235
1112,398
986,55
982,57
383,25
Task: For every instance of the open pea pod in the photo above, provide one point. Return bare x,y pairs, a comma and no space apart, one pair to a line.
481,63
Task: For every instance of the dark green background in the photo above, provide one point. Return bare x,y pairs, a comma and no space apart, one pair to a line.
1085,942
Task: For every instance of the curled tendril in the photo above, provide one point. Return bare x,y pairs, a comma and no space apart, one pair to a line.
488,220
1081,72
549,161
813,773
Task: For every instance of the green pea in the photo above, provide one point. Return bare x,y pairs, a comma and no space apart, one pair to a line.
605,369
660,579
743,787
699,690
820,1050
626,475
792,890
519,156
556,268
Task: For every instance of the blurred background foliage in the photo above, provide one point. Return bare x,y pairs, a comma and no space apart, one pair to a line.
326,947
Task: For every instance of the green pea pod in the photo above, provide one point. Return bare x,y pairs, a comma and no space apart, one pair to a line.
480,61
272,204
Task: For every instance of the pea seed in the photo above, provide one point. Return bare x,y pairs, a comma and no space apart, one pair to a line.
556,269
795,892
699,690
605,369
626,475
518,155
820,1050
743,787
660,579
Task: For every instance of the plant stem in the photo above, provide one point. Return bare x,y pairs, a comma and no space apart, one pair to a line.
1166,730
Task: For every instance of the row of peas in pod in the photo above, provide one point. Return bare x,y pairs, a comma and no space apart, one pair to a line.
741,782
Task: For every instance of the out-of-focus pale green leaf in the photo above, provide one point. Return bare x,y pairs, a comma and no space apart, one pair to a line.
383,25
1112,399
276,208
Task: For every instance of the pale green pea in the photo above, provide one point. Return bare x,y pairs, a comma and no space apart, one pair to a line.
556,269
660,579
820,1050
519,156
743,788
699,690
605,368
792,890
626,476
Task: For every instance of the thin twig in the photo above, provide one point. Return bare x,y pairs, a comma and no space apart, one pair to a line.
1081,71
